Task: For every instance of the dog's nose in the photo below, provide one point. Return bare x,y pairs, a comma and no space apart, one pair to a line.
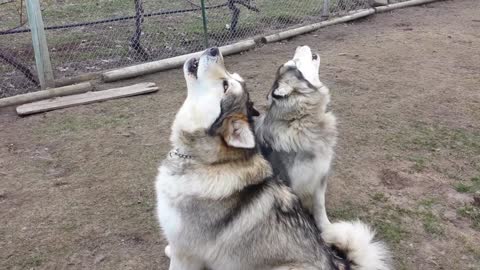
213,51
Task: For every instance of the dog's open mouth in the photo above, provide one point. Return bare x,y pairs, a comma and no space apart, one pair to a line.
193,66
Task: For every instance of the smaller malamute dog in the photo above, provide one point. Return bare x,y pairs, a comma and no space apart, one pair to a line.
217,203
296,133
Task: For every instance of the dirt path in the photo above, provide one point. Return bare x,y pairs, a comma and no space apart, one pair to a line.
76,189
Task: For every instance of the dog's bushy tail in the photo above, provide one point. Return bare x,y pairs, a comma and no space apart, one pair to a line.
356,240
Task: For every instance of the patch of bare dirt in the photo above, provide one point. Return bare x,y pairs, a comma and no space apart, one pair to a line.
392,179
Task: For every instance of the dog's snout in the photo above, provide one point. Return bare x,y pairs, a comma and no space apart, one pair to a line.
213,51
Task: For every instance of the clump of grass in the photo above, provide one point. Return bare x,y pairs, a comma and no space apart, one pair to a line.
379,197
32,262
462,188
424,137
419,164
389,223
428,203
438,137
391,229
347,211
471,212
472,187
431,223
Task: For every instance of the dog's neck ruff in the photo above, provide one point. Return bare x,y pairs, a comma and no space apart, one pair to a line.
178,154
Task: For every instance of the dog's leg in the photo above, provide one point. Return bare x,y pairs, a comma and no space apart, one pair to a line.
168,251
319,208
183,262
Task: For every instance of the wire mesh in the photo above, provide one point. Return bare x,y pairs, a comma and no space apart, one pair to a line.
96,35
17,63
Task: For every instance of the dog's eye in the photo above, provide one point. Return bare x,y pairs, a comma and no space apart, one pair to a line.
225,86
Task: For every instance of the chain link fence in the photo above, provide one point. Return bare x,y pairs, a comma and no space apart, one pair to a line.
95,35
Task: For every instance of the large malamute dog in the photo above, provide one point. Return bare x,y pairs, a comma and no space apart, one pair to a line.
217,203
296,133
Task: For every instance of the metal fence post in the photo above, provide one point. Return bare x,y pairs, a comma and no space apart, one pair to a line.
326,9
204,18
39,42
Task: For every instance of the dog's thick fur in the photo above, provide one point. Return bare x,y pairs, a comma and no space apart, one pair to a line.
217,202
297,134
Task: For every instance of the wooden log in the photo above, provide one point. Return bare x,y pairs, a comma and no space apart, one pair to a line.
238,47
403,5
44,94
77,79
86,98
312,27
174,62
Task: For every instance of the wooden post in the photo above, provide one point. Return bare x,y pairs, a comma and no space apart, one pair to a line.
40,47
204,19
326,9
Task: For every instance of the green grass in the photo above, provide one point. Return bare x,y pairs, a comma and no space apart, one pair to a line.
472,187
164,36
379,197
87,10
427,203
388,222
438,137
419,164
347,211
434,147
431,223
434,138
390,230
287,10
32,262
389,225
471,212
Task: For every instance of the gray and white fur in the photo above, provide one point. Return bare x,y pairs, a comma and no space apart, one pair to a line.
218,203
296,132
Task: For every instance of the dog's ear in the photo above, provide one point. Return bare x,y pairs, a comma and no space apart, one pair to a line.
237,133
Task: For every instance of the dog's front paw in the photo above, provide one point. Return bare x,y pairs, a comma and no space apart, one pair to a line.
168,251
